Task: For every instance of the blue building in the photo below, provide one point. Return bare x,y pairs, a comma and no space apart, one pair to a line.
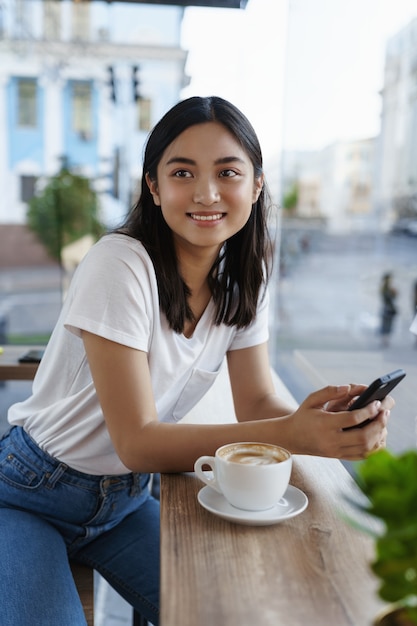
84,83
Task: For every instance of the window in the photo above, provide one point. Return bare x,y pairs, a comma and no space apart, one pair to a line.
82,123
27,103
143,114
80,21
51,19
27,188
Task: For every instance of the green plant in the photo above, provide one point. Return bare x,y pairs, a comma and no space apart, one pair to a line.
389,482
65,210
290,199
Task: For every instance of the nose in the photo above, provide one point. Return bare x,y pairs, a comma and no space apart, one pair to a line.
206,192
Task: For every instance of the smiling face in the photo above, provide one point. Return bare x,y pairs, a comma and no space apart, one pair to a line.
205,187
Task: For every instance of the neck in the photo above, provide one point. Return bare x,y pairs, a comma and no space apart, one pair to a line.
194,270
195,267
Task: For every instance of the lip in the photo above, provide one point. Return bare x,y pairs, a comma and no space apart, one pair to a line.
206,218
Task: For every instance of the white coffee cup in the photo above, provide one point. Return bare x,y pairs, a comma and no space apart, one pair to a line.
250,475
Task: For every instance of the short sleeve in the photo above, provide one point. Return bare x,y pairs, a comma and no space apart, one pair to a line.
113,293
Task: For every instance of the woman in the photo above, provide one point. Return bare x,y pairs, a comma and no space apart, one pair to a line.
150,315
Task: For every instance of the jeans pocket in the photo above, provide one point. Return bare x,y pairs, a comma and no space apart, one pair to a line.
16,471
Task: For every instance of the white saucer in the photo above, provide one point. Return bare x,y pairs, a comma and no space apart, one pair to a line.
293,502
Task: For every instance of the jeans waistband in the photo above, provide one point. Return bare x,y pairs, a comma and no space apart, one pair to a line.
46,462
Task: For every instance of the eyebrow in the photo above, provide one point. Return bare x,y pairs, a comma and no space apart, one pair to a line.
222,161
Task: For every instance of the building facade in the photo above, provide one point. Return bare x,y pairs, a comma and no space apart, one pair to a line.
396,179
334,184
370,183
82,84
347,172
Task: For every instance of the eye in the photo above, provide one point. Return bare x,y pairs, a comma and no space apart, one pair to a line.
228,173
182,174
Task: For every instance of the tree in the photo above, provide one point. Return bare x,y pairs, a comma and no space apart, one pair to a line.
66,209
290,199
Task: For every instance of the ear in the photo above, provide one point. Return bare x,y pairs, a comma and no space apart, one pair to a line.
153,188
259,183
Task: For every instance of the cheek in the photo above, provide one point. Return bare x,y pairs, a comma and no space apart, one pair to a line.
242,204
174,198
173,206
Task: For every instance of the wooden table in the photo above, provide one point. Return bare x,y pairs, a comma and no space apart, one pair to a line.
11,369
310,570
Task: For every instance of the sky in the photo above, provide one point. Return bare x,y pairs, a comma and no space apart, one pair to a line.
306,72
239,55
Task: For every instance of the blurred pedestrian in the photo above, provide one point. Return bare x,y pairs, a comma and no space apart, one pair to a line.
388,295
413,327
414,324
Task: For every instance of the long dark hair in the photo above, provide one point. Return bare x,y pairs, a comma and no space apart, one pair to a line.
242,267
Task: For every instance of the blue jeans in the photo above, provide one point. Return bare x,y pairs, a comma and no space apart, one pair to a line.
49,512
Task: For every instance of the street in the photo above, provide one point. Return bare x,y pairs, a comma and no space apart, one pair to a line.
326,329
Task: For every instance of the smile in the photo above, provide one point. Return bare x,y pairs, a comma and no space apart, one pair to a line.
206,218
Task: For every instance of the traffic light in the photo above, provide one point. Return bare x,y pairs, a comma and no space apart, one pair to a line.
112,84
136,83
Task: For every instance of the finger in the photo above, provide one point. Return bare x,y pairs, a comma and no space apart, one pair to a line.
352,419
382,443
359,453
388,402
355,391
359,443
318,399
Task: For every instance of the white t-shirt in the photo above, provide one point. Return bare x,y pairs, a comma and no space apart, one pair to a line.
114,294
413,326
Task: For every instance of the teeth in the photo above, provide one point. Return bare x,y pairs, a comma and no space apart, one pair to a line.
207,218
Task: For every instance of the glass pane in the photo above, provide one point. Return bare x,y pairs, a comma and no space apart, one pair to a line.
51,19
27,103
82,113
27,188
80,22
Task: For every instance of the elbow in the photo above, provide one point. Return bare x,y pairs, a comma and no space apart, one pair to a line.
136,459
138,451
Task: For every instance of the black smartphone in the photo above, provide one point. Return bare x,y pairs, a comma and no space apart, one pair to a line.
376,391
32,356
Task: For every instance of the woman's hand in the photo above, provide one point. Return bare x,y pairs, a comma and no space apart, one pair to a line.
318,425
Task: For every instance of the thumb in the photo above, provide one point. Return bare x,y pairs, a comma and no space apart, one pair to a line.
318,399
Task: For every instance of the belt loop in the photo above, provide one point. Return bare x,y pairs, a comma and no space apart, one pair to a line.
56,475
104,485
135,488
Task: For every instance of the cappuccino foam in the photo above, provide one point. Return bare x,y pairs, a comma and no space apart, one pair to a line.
253,455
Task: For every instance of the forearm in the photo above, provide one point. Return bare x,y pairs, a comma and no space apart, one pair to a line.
163,447
266,407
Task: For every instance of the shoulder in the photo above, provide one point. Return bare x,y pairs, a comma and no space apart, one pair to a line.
115,264
116,250
118,245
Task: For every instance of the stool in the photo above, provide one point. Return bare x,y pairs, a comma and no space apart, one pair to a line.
84,580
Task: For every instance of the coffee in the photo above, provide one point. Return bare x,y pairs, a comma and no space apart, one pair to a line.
254,454
250,475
